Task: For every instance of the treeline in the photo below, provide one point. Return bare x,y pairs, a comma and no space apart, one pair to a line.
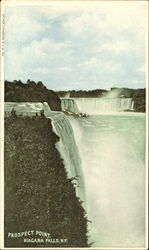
138,95
83,93
31,91
38,194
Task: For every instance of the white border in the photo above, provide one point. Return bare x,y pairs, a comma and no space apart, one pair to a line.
5,3
2,135
147,126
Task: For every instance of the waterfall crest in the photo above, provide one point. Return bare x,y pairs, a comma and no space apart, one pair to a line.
46,108
24,108
94,106
68,150
69,104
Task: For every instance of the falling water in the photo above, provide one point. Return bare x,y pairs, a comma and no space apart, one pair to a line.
94,106
68,150
69,104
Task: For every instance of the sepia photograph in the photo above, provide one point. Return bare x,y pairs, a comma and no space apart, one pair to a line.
74,111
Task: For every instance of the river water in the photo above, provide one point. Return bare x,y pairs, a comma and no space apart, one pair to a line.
107,152
112,150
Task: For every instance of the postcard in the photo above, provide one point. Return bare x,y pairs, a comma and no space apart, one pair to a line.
74,111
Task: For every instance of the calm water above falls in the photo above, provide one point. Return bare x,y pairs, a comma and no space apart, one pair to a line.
112,150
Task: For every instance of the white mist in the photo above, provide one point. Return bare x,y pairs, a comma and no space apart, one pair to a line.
112,150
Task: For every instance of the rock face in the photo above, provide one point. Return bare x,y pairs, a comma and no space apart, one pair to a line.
38,194
17,91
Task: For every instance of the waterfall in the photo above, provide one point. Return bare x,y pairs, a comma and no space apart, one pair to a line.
69,104
132,105
68,150
94,106
46,108
66,145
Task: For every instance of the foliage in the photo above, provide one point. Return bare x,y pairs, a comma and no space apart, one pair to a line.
17,91
83,93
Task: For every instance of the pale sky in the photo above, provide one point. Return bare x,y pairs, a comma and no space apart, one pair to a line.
77,45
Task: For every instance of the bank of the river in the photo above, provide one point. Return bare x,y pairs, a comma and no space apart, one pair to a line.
38,194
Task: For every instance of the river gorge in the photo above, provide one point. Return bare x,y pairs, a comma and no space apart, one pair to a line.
105,154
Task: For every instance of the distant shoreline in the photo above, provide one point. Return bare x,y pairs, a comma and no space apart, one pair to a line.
31,91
